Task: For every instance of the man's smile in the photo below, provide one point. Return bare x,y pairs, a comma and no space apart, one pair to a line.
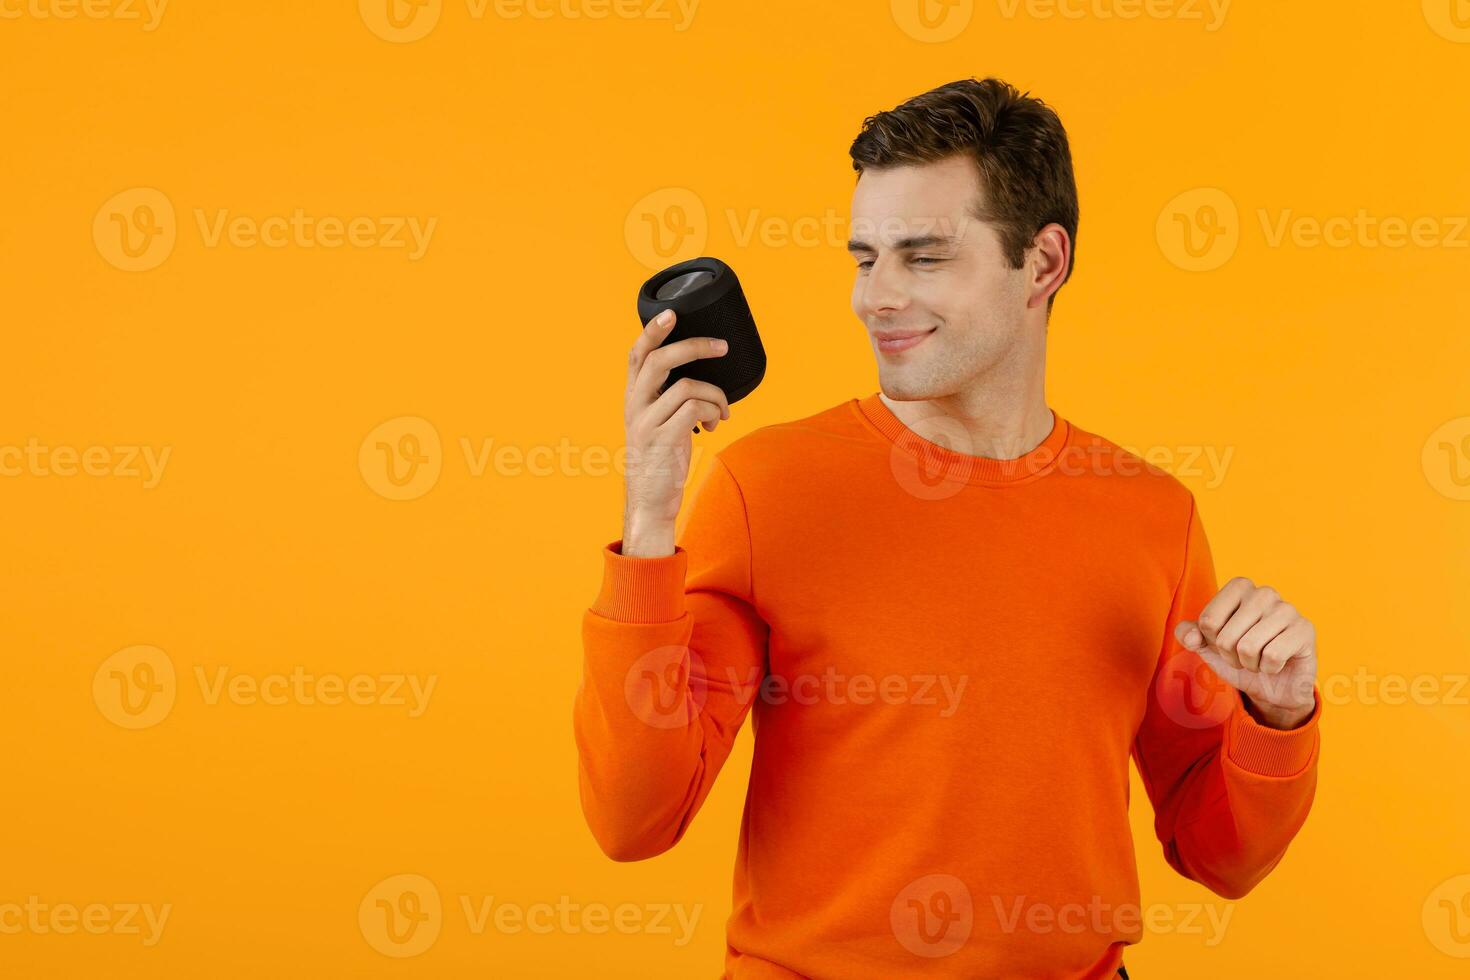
894,341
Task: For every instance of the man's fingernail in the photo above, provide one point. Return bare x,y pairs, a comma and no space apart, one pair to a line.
663,318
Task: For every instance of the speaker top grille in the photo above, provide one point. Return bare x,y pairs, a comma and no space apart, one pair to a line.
687,283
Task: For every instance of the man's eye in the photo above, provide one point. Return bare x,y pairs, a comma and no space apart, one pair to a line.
926,260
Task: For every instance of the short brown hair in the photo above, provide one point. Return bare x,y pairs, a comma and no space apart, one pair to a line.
1017,141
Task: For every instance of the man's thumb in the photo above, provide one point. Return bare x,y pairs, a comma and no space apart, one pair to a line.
1188,633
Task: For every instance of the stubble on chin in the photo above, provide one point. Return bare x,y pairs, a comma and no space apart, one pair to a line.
916,380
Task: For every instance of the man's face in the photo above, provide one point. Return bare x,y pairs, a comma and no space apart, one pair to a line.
926,266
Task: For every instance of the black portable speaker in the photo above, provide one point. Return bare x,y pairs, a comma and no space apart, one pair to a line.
706,297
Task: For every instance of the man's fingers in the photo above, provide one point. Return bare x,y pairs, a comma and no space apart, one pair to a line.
681,391
1253,608
1186,631
1220,611
1217,611
1288,643
654,332
1224,670
695,410
658,364
1252,644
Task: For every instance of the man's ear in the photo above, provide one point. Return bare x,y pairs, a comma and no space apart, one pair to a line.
1047,261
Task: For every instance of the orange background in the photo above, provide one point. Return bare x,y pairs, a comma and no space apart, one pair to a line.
546,150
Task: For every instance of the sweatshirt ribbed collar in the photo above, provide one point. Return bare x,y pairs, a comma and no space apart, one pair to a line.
946,457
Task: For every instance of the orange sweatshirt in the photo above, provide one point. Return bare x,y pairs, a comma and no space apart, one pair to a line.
948,661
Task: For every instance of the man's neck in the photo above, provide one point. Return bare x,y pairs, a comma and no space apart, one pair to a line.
999,426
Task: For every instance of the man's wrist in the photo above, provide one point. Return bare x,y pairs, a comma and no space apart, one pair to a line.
1279,718
645,539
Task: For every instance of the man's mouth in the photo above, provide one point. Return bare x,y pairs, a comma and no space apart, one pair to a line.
894,341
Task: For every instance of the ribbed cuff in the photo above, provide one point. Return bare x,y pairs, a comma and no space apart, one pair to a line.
1268,751
641,590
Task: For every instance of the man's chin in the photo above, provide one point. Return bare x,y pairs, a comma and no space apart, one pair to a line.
902,386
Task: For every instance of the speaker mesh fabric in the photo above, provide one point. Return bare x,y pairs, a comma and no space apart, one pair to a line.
739,369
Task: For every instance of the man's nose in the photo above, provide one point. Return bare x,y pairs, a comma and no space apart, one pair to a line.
883,290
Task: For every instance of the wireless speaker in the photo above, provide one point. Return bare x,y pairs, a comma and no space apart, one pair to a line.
706,298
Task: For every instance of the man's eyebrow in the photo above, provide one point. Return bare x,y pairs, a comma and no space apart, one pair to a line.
915,241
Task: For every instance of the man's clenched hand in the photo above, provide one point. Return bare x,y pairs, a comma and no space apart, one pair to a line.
1260,645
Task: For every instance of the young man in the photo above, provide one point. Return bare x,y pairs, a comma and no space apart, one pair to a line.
953,615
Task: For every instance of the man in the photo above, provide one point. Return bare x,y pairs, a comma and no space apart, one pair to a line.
953,614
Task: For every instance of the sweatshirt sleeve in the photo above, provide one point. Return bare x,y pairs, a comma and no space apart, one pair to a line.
1229,794
673,654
